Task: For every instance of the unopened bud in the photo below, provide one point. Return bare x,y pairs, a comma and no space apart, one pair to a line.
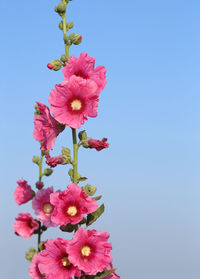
63,58
36,160
48,172
30,253
60,25
75,38
39,185
70,25
55,65
89,189
61,8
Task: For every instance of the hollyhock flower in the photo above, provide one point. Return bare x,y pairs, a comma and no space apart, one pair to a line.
25,225
46,127
43,207
83,67
71,205
72,102
54,261
90,251
98,144
34,271
23,192
53,161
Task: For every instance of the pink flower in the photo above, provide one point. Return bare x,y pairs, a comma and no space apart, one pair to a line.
54,261
34,271
83,67
54,161
46,127
39,185
71,205
90,251
43,207
25,225
23,192
98,144
73,101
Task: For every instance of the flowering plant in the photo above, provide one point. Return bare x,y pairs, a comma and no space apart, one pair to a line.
88,254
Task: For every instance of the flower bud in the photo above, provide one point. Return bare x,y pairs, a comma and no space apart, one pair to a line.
89,189
75,38
55,65
70,25
60,25
39,185
30,253
63,58
48,172
61,8
36,160
82,135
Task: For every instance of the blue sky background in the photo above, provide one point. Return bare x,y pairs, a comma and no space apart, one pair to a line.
149,110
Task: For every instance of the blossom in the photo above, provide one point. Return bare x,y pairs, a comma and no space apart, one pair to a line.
73,101
25,225
34,271
83,67
43,207
23,192
46,127
90,251
53,161
98,144
71,205
54,261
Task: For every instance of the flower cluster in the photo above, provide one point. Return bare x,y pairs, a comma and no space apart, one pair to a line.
88,254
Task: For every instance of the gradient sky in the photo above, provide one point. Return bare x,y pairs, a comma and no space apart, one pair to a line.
149,110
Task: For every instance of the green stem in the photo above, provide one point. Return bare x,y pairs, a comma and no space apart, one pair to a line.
39,236
40,166
75,160
65,32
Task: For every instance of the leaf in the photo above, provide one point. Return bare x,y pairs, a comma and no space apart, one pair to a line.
92,217
104,274
70,172
97,198
66,154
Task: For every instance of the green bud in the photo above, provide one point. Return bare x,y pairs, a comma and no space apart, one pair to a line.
48,172
89,189
41,246
82,135
55,65
68,228
75,38
63,58
36,160
60,25
30,253
70,25
61,8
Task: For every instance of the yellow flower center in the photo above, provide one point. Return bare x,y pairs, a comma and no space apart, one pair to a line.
47,208
72,210
85,251
65,261
76,104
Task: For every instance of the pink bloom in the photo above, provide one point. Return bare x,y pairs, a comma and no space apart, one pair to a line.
90,251
73,101
34,271
53,161
25,225
71,205
46,127
83,67
43,207
98,144
23,193
54,262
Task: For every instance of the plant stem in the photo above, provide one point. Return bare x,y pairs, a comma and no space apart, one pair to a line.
75,161
39,236
40,166
65,32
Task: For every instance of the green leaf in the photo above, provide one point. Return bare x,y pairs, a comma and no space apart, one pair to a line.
91,218
70,172
89,189
97,198
100,275
66,154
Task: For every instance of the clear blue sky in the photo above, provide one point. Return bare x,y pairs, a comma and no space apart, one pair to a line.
149,110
